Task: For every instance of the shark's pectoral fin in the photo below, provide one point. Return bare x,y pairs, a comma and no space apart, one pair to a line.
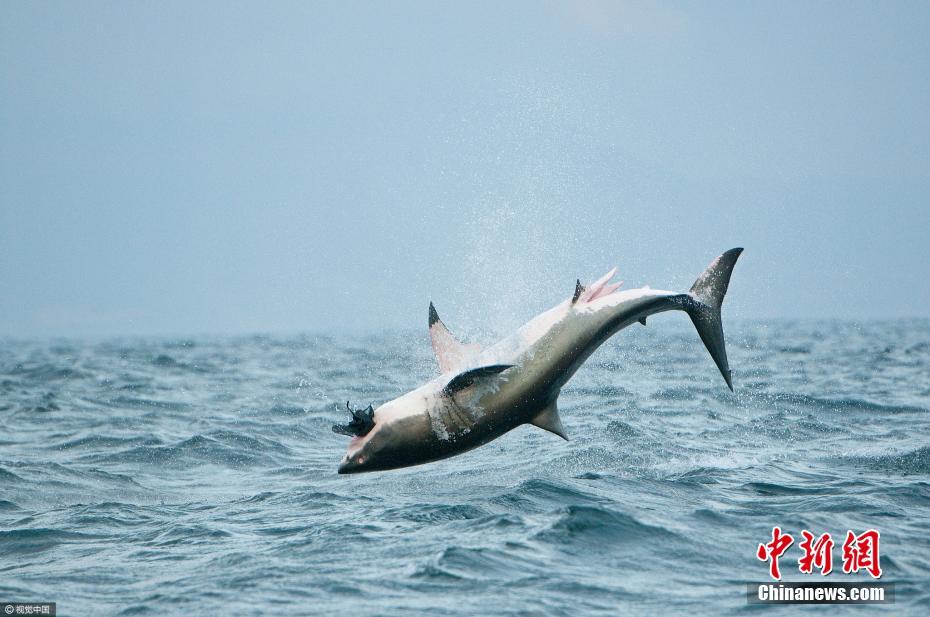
469,378
642,320
548,420
450,353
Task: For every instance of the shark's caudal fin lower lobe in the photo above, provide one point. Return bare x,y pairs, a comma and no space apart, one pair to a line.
706,296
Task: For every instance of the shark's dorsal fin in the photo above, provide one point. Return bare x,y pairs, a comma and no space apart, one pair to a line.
548,420
579,289
468,378
450,353
598,289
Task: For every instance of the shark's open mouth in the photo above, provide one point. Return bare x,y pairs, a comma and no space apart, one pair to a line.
363,420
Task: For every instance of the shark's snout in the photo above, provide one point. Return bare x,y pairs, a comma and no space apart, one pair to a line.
349,465
355,458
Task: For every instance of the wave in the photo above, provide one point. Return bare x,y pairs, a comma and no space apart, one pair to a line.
306,499
70,478
95,441
477,563
666,477
678,393
186,534
44,373
601,391
138,609
111,515
435,513
541,495
8,506
225,448
595,526
906,463
27,541
914,494
9,476
771,489
280,409
830,404
166,361
700,476
433,572
620,429
133,402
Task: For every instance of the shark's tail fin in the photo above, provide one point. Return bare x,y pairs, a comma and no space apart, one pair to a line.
706,296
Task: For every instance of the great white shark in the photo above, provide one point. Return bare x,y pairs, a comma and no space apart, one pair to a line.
484,393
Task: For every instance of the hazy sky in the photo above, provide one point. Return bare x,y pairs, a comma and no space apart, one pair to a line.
251,167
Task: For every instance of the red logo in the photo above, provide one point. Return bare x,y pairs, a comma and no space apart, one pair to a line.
819,553
773,550
859,552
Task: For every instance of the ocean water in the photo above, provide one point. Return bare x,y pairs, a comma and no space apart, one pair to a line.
198,476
